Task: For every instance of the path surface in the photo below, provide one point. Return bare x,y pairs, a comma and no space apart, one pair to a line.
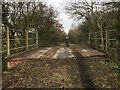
39,53
89,52
63,53
62,67
35,54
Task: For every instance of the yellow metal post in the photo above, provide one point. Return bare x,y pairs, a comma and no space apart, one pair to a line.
8,42
102,40
37,39
106,40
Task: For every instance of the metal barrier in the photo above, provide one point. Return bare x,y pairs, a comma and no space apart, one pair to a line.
106,41
21,42
103,39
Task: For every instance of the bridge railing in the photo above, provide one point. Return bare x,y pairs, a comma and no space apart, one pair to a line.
18,43
106,41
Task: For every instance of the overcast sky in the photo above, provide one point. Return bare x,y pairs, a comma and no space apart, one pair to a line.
59,5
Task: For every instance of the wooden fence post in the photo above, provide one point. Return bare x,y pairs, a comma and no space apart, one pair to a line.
8,42
26,35
37,39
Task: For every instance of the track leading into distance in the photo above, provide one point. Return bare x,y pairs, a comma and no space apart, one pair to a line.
64,67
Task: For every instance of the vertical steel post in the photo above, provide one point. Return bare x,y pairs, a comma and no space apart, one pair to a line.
102,40
37,39
89,38
1,45
26,35
8,41
95,39
106,34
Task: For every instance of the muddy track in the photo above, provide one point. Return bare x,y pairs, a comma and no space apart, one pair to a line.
75,72
45,73
84,75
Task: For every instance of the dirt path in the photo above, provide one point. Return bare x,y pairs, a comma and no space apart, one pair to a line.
35,54
63,53
59,72
95,72
89,52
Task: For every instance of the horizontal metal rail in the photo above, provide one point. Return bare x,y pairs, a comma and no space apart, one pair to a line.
17,48
31,38
112,39
32,45
18,39
18,53
3,51
105,40
113,48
